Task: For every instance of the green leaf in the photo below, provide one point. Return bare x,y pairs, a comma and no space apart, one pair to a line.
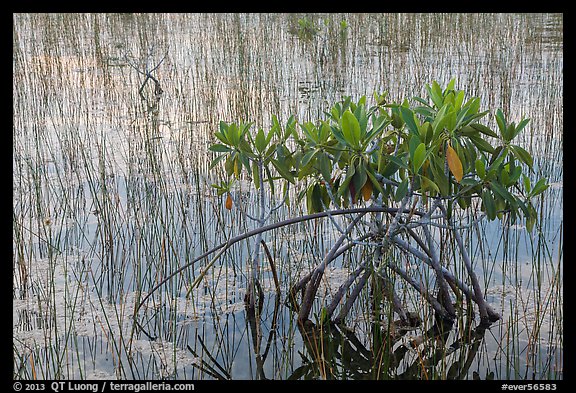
470,154
522,155
282,153
307,157
271,133
300,372
449,98
375,183
351,129
397,160
244,128
483,129
440,121
256,176
219,148
323,315
290,128
499,155
223,127
468,131
510,131
428,132
337,132
335,113
408,117
489,204
229,164
325,166
514,176
464,202
276,129
310,132
245,161
451,119
390,169
378,124
359,179
504,177
216,161
530,221
274,148
360,115
523,206
397,121
474,105
481,144
222,137
412,145
503,192
348,178
260,141
527,185
314,199
450,85
283,171
480,166
435,93
402,190
246,147
270,179
531,218
539,187
223,133
496,154
501,121
440,178
422,101
232,135
428,184
425,111
419,157
459,99
469,182
325,132
468,118
520,127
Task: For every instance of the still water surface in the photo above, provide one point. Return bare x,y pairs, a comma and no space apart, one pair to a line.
111,188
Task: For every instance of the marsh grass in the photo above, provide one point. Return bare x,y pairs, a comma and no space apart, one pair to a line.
110,197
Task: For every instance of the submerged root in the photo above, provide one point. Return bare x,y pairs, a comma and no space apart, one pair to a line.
250,297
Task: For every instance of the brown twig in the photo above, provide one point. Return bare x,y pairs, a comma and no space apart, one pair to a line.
272,266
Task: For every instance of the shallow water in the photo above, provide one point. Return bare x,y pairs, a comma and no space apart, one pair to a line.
111,193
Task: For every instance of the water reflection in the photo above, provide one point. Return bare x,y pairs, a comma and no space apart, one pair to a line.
396,351
111,191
